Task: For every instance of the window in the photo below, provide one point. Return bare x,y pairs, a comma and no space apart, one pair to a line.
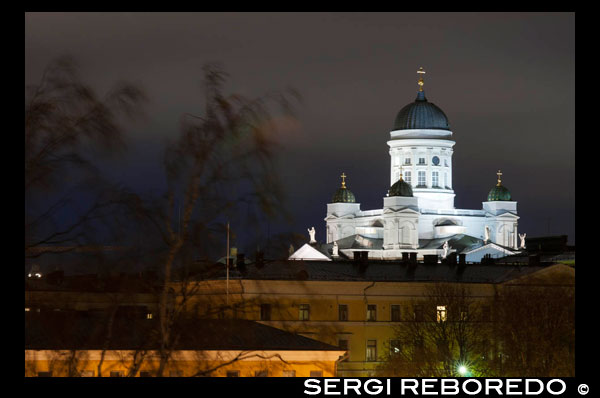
316,373
289,373
418,313
116,373
464,314
343,344
407,177
304,312
394,347
395,313
445,179
371,312
371,350
149,315
145,374
421,179
421,160
44,374
343,312
446,162
407,161
441,313
265,312
435,179
175,373
233,373
87,373
261,373
435,160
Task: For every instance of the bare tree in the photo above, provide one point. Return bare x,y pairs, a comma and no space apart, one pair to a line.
536,330
62,116
446,330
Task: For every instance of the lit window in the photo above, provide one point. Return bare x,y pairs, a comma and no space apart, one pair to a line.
407,177
289,373
304,312
394,347
421,179
343,312
316,373
233,373
435,179
441,313
27,309
371,350
149,315
464,314
371,312
395,313
265,312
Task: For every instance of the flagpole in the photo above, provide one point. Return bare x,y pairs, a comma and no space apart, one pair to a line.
227,262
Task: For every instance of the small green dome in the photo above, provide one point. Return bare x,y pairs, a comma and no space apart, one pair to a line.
343,195
401,188
499,192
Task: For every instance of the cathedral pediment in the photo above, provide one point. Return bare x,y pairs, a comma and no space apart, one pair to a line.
393,210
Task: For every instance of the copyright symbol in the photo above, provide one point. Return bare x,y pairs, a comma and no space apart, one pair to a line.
583,389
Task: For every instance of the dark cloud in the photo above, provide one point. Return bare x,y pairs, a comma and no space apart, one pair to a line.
506,82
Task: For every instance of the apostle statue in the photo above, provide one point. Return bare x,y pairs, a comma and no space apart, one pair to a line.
311,232
522,237
445,247
335,249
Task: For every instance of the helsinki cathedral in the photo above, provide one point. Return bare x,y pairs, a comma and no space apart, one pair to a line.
418,214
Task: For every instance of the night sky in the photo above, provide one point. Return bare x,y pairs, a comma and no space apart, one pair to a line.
505,81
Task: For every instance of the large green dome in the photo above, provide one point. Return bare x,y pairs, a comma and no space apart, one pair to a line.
343,195
421,114
401,188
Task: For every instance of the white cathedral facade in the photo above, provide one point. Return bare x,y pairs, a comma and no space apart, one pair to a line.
418,213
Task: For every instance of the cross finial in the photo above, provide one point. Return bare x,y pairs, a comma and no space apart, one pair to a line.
343,180
499,174
400,173
421,82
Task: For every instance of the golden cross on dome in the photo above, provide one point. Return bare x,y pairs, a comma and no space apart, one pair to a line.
400,173
499,174
421,82
343,180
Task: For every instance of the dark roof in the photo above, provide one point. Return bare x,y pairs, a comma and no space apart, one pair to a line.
421,114
73,330
381,270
